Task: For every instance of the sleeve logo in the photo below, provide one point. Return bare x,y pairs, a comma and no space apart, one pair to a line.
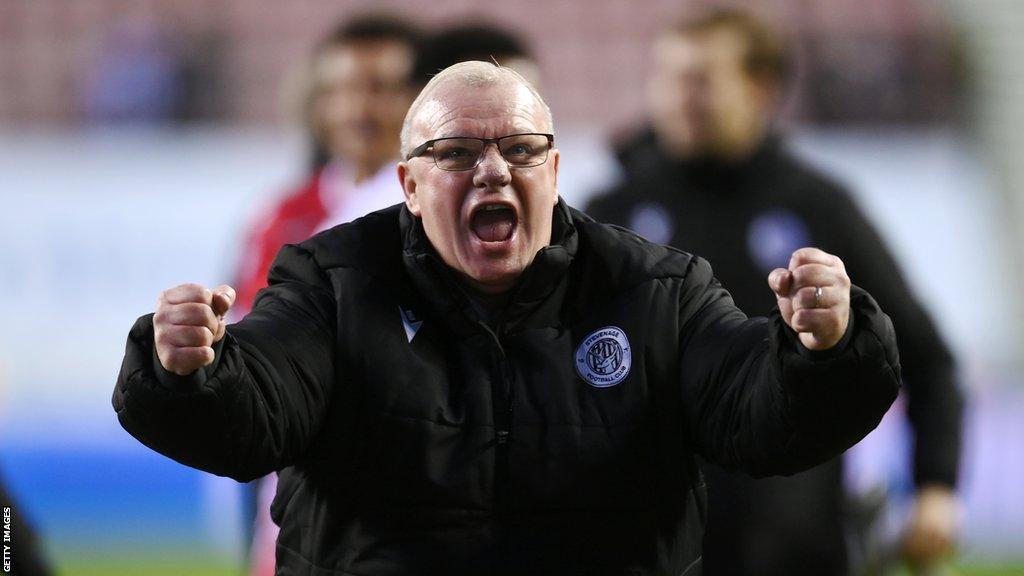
604,357
410,322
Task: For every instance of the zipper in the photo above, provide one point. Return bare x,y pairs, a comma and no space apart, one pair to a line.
503,405
504,401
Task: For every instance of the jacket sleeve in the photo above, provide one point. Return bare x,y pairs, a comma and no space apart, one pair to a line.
755,399
261,402
935,400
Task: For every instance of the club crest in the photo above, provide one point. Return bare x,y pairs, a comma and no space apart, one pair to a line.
604,357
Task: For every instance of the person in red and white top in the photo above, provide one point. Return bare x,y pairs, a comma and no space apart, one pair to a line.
360,85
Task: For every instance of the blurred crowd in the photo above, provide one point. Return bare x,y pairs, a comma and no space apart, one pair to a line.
879,61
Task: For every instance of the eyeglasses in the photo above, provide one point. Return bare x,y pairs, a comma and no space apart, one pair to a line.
463,153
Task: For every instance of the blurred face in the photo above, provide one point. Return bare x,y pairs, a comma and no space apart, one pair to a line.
702,101
361,93
486,223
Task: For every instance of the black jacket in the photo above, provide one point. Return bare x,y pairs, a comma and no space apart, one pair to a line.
558,438
746,217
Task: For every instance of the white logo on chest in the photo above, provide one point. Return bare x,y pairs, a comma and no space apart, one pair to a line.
604,357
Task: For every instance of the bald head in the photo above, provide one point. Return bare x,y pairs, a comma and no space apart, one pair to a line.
464,77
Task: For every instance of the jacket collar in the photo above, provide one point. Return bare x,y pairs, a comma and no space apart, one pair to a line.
535,300
640,155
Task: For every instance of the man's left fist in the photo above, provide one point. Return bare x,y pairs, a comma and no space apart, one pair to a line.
814,297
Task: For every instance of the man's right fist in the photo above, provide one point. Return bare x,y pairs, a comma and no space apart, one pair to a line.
189,319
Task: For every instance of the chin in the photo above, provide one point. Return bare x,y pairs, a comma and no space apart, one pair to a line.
494,281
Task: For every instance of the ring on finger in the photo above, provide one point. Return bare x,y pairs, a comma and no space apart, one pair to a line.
817,296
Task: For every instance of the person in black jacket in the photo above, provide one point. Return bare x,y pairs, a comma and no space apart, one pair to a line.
709,175
484,381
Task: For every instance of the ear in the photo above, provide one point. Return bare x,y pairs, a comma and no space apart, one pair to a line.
555,157
408,182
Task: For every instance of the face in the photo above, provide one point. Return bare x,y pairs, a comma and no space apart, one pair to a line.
361,93
701,99
489,222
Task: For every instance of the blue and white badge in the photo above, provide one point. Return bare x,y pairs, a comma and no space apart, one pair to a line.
604,357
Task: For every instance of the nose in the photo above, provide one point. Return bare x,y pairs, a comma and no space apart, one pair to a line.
493,170
361,103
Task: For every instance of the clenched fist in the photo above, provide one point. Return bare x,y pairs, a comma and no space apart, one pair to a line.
814,297
930,534
189,320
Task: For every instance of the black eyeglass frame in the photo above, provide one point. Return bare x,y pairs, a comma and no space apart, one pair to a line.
419,150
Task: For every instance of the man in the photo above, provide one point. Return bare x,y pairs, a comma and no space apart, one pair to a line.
359,88
484,381
709,175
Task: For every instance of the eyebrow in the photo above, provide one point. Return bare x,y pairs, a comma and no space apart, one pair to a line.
463,135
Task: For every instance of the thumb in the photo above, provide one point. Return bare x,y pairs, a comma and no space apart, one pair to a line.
780,281
223,299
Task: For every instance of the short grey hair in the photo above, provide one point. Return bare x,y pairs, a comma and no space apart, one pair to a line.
474,74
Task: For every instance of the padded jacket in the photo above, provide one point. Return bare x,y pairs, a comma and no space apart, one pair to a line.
417,435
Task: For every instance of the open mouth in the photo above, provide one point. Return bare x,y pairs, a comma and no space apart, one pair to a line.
493,222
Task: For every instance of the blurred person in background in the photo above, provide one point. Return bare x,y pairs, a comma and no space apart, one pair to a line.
25,550
435,52
359,89
137,76
149,70
25,555
711,175
486,42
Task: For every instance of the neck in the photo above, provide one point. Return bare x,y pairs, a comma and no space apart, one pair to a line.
365,172
741,147
737,151
489,305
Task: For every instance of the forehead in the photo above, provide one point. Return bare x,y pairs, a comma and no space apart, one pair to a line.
716,47
382,58
458,109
